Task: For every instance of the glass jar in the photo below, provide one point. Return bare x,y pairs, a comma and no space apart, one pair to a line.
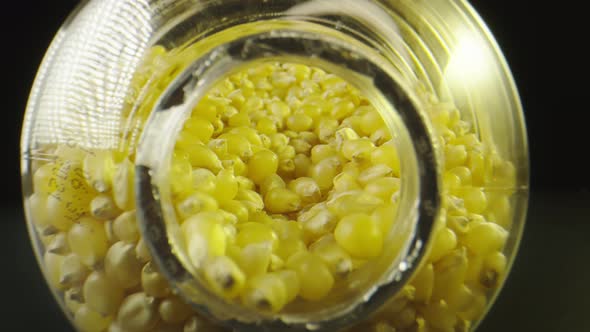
273,165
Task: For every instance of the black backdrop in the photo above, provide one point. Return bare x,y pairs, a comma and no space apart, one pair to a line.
548,289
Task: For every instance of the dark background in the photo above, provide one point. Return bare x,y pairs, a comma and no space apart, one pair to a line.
548,289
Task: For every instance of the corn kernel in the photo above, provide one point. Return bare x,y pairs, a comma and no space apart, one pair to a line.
88,320
315,279
262,165
383,188
138,312
360,235
53,264
337,259
485,238
387,155
101,294
325,171
153,283
173,310
358,149
256,233
254,259
122,266
444,242
72,271
205,236
266,292
306,188
282,200
195,203
224,276
88,240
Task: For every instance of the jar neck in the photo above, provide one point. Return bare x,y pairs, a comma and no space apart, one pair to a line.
419,201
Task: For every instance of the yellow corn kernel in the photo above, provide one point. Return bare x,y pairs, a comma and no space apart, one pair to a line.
423,282
300,146
72,271
287,229
44,179
342,135
463,173
289,247
476,309
122,266
326,128
203,180
282,200
342,109
360,235
278,141
124,185
88,320
138,312
237,209
450,272
266,292
245,183
226,186
153,283
254,259
73,299
322,151
181,176
387,155
371,121
349,202
324,172
141,251
315,279
88,240
494,267
444,242
291,282
219,147
262,165
461,299
337,259
405,318
475,199
322,223
195,203
455,156
125,227
383,188
53,264
205,236
256,233
439,315
101,294
199,127
299,122
345,182
103,207
353,122
251,199
201,156
238,145
306,188
173,310
37,209
224,276
485,238
99,169
385,216
266,126
373,173
358,149
239,120
58,244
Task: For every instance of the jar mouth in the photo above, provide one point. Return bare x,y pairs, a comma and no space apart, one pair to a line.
400,110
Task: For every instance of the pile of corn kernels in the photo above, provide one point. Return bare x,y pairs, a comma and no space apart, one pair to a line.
285,181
